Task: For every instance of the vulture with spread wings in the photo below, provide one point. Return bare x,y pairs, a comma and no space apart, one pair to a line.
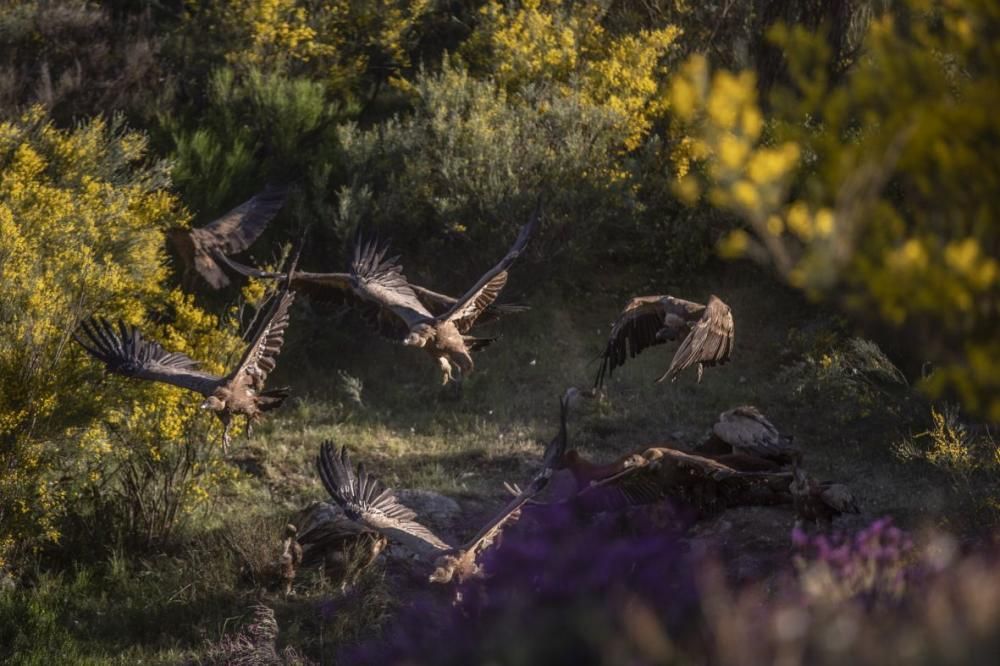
124,351
230,234
374,507
654,320
405,313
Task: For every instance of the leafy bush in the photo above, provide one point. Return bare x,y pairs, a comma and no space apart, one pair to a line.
348,46
82,216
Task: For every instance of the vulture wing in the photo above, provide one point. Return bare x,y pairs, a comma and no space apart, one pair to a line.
365,500
325,286
633,331
710,341
261,355
125,352
379,281
233,232
467,309
439,303
747,430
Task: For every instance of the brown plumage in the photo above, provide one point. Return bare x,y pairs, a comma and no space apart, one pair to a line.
405,313
749,432
375,508
707,484
819,502
331,540
123,351
230,234
646,321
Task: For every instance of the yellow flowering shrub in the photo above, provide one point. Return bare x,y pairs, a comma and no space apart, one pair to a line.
879,187
341,41
82,216
564,44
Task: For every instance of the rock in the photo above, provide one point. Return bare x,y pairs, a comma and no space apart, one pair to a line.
431,507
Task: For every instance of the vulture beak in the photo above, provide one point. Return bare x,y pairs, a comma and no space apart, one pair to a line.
204,405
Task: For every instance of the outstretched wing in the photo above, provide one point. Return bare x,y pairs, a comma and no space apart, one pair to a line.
471,305
379,281
365,500
239,228
324,286
634,331
746,429
439,303
233,232
125,352
710,341
261,355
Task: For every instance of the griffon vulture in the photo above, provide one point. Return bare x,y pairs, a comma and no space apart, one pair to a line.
371,505
409,314
230,234
744,431
819,501
654,320
123,350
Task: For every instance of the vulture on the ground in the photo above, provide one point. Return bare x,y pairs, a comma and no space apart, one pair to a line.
291,557
230,234
409,314
343,548
374,507
745,433
654,320
707,484
819,501
123,350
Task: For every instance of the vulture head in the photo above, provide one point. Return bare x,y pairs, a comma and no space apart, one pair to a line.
419,335
214,403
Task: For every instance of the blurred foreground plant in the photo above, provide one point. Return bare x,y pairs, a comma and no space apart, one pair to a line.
877,187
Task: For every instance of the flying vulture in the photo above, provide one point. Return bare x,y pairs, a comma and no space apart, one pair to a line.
124,351
819,501
744,431
230,234
371,505
654,320
405,313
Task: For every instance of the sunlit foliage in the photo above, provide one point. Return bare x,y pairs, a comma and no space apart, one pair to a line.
81,220
342,42
552,42
880,187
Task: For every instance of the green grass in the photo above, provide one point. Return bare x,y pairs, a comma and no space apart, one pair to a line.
413,434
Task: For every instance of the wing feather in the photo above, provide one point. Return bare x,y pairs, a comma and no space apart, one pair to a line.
365,500
125,352
470,305
633,332
261,355
232,233
709,343
379,280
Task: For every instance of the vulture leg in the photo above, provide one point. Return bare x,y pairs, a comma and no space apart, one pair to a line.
227,421
445,370
700,369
